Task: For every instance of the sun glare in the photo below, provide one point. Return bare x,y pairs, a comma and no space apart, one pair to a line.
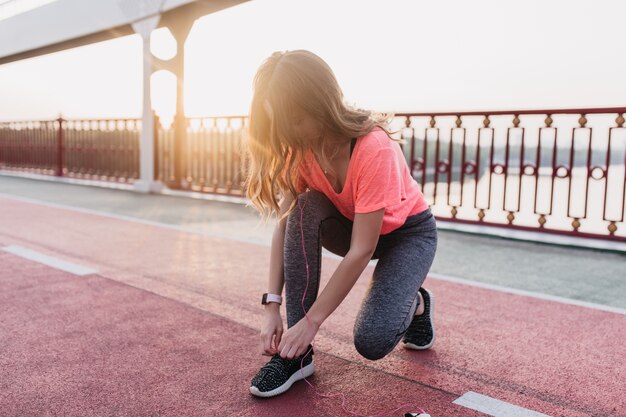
163,94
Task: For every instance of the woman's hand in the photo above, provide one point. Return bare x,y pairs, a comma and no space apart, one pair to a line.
272,330
297,338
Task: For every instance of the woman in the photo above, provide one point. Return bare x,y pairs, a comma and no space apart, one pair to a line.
335,178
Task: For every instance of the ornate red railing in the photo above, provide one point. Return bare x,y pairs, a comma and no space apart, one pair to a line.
556,171
212,159
95,149
211,152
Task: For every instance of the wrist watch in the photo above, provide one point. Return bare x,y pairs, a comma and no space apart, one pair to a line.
271,298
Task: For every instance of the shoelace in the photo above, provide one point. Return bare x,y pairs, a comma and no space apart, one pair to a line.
277,363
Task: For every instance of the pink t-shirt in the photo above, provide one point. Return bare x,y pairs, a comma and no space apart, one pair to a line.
378,176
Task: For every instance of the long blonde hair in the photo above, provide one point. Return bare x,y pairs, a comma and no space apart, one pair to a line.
294,82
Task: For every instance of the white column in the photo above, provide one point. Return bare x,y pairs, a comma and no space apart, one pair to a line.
146,182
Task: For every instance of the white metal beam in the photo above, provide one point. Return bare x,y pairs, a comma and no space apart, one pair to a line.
65,24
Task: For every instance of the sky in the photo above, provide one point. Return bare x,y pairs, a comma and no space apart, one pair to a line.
393,55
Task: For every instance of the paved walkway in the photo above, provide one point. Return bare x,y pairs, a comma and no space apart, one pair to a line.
578,274
147,305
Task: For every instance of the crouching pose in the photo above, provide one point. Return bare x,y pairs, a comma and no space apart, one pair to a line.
334,178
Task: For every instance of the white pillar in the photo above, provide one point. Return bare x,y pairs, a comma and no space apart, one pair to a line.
146,182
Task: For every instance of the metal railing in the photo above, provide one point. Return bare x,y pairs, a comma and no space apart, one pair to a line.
556,171
108,150
212,155
95,149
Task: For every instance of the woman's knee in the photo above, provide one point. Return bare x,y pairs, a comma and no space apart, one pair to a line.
373,348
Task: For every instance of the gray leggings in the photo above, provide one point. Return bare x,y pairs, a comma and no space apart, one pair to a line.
404,258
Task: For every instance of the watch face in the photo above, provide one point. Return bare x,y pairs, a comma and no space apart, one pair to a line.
264,299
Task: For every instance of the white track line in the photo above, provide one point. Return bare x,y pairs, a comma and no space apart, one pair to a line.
493,407
516,291
325,253
48,260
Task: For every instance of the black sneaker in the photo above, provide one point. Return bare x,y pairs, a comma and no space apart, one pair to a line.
277,376
421,332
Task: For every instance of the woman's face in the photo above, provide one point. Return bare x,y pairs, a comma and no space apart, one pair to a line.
304,125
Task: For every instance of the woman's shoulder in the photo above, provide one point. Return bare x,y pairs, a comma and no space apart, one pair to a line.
374,141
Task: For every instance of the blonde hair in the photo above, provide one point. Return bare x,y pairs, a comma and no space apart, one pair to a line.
295,82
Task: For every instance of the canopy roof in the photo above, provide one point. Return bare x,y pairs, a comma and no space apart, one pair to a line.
66,24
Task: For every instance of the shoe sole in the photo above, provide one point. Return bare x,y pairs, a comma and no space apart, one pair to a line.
298,375
413,346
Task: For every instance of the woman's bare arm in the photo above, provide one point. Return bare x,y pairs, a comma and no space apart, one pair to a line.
277,267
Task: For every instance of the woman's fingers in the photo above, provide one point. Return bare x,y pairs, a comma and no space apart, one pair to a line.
293,352
266,343
272,348
267,347
279,335
289,351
